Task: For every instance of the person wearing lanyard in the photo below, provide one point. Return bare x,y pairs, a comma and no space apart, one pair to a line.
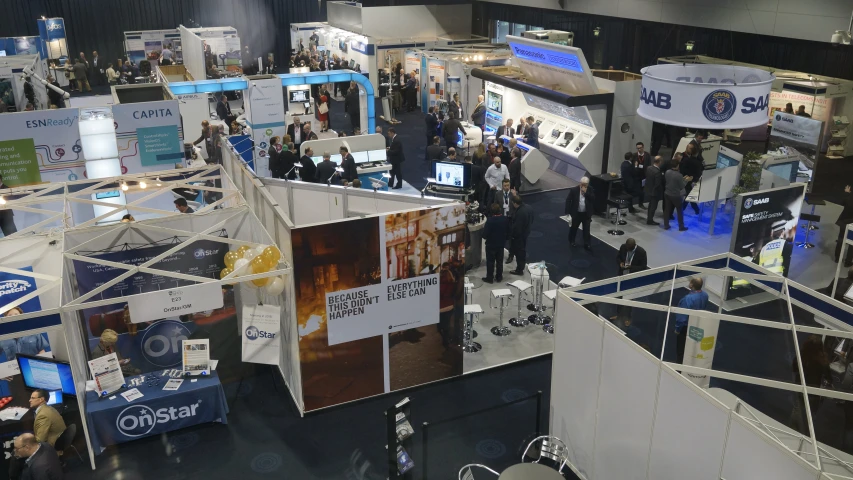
695,300
631,257
579,204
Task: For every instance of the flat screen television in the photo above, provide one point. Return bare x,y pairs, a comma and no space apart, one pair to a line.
46,373
494,101
317,160
337,158
299,96
452,174
360,157
351,64
377,155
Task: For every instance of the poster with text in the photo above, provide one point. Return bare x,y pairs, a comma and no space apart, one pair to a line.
18,162
149,136
818,108
265,115
55,136
392,287
764,231
435,81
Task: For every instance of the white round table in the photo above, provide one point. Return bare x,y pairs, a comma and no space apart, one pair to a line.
530,471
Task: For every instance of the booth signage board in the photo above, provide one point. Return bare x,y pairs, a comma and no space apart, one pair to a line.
796,129
699,347
705,96
18,162
764,230
55,28
163,146
546,64
361,292
56,139
159,146
262,334
265,116
152,306
818,107
436,81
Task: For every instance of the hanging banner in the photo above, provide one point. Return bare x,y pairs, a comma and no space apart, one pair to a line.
265,116
373,297
699,347
551,64
262,334
705,96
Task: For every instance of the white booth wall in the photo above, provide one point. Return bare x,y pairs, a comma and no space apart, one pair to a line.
193,50
626,98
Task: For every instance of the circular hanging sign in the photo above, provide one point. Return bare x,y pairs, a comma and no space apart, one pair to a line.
705,96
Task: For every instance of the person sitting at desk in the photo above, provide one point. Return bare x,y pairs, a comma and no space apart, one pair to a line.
326,169
107,345
308,171
451,155
435,152
223,110
350,172
49,424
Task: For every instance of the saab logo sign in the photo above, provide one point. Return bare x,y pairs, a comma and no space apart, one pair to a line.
139,420
780,118
252,333
659,100
719,106
562,60
748,203
161,343
14,286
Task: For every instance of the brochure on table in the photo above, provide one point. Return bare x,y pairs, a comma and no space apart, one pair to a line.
196,355
107,375
563,131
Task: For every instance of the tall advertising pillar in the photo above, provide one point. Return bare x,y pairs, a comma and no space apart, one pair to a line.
98,139
264,105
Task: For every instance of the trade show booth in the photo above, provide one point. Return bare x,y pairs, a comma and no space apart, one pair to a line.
730,373
147,45
19,85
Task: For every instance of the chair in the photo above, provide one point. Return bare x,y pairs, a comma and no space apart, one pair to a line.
465,473
552,449
66,441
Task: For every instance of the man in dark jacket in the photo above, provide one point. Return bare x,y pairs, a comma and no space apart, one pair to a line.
641,160
522,220
478,118
431,125
698,138
396,157
494,233
287,159
631,257
326,169
223,110
691,166
42,461
579,204
353,108
450,131
503,152
629,182
435,152
350,172
653,189
477,178
515,170
532,136
274,158
843,219
308,171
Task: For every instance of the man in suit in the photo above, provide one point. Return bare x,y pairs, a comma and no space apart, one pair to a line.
396,157
223,110
691,166
505,129
42,462
287,159
308,172
631,257
327,169
350,172
522,220
478,118
450,131
274,158
431,126
698,138
515,169
49,424
503,152
653,189
455,107
494,233
352,106
532,136
579,204
843,219
435,152
477,178
674,183
629,183
387,140
503,199
521,129
641,160
307,133
7,220
97,69
294,130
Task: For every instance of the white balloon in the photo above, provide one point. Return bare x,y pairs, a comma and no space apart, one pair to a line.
250,254
239,264
275,286
260,249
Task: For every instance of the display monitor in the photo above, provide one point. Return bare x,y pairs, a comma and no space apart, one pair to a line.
360,157
337,158
299,96
107,194
317,160
46,373
351,64
452,174
460,139
357,67
377,155
494,101
55,397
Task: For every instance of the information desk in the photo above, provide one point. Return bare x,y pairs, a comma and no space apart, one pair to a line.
116,421
374,171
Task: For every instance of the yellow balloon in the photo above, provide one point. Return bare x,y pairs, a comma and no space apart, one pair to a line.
272,255
260,282
242,250
259,265
225,272
230,258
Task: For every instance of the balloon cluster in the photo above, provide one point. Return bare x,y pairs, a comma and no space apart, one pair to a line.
250,261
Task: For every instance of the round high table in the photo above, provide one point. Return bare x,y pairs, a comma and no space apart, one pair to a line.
530,471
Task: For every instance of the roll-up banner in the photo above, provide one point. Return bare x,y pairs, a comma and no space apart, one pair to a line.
699,347
380,308
705,96
436,81
265,116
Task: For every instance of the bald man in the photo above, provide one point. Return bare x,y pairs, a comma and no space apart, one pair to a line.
478,118
42,462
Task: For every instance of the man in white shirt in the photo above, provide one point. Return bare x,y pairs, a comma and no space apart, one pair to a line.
496,174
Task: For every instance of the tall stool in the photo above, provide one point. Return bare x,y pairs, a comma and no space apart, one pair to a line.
813,202
469,345
539,277
504,297
551,295
522,287
811,219
469,300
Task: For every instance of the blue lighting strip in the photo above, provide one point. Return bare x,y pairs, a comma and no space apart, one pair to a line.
209,86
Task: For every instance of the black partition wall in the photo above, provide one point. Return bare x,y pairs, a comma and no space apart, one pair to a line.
623,42
99,25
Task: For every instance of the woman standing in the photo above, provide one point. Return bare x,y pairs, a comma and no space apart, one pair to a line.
479,154
323,109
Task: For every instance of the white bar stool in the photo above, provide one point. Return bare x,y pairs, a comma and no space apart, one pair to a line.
504,297
521,286
539,278
551,295
469,345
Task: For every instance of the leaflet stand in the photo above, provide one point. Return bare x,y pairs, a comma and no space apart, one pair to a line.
399,433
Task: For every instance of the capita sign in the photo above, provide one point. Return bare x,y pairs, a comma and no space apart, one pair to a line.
705,96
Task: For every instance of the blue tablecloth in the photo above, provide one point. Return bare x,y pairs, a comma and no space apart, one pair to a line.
117,421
